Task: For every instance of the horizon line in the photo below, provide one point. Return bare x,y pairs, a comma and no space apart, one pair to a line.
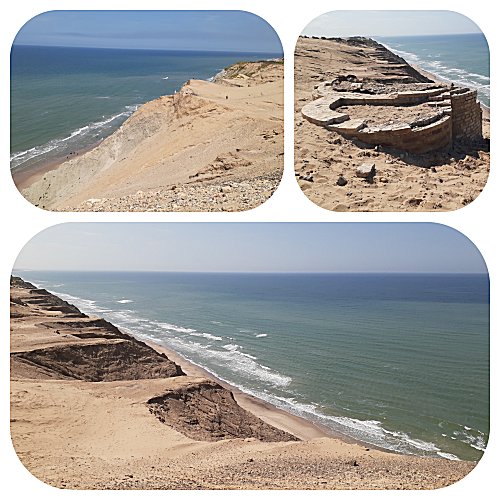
397,36
248,272
146,48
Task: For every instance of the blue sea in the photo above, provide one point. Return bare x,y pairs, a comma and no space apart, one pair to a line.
462,59
68,99
399,361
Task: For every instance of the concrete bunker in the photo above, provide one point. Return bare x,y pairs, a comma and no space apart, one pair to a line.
414,117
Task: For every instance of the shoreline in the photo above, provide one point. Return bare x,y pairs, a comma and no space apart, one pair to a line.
116,412
23,178
280,418
298,426
438,79
233,124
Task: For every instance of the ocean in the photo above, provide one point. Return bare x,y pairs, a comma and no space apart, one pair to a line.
399,361
68,99
463,59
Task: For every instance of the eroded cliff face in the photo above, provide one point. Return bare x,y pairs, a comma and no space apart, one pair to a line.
52,340
208,412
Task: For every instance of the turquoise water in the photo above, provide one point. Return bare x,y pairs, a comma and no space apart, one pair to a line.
67,99
463,59
398,361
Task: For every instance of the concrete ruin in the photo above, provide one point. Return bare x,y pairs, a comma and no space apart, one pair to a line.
413,117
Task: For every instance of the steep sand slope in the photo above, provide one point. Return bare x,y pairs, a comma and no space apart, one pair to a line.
223,133
133,420
404,182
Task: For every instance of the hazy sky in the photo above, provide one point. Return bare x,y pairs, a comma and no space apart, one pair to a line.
390,23
252,247
173,30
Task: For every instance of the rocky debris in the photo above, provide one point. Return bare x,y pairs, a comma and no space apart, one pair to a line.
308,177
297,466
366,170
206,411
415,202
210,196
341,181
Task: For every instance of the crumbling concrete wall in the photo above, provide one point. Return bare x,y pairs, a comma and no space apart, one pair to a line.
457,117
467,116
419,140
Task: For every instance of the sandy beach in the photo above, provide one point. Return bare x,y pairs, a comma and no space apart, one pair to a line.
326,162
94,408
212,146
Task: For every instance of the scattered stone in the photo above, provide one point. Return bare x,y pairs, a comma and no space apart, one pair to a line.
366,170
341,181
414,202
384,180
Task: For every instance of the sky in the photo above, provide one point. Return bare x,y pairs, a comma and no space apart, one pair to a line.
233,31
252,247
389,23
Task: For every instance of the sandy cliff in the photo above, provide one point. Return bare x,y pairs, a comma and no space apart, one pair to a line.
93,407
212,146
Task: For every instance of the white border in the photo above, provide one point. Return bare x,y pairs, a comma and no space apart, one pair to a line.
21,221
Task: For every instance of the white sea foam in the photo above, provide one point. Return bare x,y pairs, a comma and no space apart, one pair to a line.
368,431
231,347
458,75
21,157
259,335
173,328
205,335
124,301
472,437
249,356
232,358
448,456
